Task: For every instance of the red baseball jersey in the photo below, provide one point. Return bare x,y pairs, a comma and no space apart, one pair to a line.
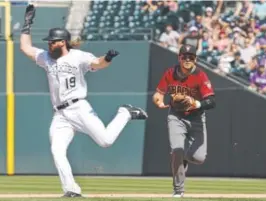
196,85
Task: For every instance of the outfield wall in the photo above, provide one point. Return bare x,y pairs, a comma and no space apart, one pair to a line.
235,132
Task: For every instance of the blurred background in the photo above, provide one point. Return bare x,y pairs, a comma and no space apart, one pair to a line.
230,37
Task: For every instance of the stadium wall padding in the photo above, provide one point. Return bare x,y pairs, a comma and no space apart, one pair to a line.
3,107
236,133
124,81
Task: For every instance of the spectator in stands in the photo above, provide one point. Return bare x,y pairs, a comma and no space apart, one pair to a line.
262,57
170,38
238,37
238,66
216,29
205,45
196,22
259,12
149,6
192,38
251,35
172,5
223,43
163,8
223,59
261,40
209,16
248,51
245,7
242,22
258,80
233,48
252,66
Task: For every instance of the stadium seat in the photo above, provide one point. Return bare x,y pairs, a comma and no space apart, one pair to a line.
128,15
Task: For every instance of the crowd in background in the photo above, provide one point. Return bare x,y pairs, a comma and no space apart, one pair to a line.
230,35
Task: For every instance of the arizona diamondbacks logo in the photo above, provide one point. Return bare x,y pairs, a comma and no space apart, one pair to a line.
187,48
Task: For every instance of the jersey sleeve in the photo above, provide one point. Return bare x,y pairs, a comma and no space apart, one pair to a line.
87,59
206,88
41,57
162,87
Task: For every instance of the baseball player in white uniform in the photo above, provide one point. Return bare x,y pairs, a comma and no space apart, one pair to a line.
65,68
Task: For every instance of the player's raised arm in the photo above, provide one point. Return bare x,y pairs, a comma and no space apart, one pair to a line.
104,61
25,38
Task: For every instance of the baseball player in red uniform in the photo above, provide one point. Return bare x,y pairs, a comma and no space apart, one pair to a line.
191,94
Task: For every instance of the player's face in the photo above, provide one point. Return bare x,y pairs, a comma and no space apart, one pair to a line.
55,48
187,61
55,44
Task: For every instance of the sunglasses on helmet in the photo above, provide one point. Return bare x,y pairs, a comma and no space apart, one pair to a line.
188,57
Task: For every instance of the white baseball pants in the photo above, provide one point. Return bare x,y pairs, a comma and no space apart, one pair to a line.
80,117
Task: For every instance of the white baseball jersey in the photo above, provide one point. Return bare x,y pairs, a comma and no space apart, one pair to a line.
66,74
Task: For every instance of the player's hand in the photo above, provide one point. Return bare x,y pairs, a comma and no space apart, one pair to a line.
161,105
110,55
29,14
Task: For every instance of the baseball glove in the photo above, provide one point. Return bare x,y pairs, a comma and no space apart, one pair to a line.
182,102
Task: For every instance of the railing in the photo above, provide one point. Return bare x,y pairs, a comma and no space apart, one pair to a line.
98,33
118,33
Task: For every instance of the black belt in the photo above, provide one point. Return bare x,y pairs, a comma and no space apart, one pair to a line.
66,104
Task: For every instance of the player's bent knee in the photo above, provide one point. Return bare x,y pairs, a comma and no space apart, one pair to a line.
199,159
105,144
196,158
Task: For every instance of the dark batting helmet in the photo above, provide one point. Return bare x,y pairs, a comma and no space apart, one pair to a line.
58,34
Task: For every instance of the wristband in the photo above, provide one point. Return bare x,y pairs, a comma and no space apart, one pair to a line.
26,29
108,58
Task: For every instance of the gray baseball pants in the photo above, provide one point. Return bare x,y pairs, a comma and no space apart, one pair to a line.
188,141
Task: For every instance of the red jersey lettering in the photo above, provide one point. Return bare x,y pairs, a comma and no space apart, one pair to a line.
197,85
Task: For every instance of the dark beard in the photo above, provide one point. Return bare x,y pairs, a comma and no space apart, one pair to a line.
56,53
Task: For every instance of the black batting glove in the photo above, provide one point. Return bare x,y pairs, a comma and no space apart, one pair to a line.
28,19
110,55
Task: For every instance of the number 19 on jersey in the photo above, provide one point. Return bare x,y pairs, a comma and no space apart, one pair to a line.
70,82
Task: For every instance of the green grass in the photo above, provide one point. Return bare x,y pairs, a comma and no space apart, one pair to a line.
50,184
123,185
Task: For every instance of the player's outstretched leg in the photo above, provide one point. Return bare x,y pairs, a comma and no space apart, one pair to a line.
88,122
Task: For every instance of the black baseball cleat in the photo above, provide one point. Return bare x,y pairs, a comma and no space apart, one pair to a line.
70,194
136,112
